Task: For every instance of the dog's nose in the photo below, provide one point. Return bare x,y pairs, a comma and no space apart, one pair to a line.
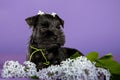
49,33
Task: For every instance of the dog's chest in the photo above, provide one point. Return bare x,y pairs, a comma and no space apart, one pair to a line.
53,57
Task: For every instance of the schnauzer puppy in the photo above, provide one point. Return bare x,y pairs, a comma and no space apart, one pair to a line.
45,45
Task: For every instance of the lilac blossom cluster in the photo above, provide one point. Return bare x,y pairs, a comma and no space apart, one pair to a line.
71,69
12,69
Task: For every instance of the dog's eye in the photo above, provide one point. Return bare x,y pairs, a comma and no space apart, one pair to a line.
58,27
45,25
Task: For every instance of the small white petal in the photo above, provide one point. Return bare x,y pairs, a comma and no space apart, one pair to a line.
53,14
41,13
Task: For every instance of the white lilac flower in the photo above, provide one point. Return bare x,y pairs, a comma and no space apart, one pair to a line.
104,72
30,68
12,69
71,69
53,14
41,13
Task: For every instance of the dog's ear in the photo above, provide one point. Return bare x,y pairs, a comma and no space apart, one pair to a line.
31,21
61,21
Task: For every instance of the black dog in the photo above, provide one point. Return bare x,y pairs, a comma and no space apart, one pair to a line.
45,45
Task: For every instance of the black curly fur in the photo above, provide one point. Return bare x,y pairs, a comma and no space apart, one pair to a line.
47,34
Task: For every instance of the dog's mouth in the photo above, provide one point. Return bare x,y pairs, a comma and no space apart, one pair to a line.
48,45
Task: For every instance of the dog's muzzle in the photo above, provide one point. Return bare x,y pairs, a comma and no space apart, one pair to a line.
50,35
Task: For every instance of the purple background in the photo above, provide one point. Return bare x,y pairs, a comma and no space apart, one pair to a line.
90,25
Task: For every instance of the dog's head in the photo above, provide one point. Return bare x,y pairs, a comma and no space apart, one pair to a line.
47,30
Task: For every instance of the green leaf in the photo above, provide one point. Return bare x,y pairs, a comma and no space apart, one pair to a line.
34,77
111,65
107,56
106,62
75,55
92,56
